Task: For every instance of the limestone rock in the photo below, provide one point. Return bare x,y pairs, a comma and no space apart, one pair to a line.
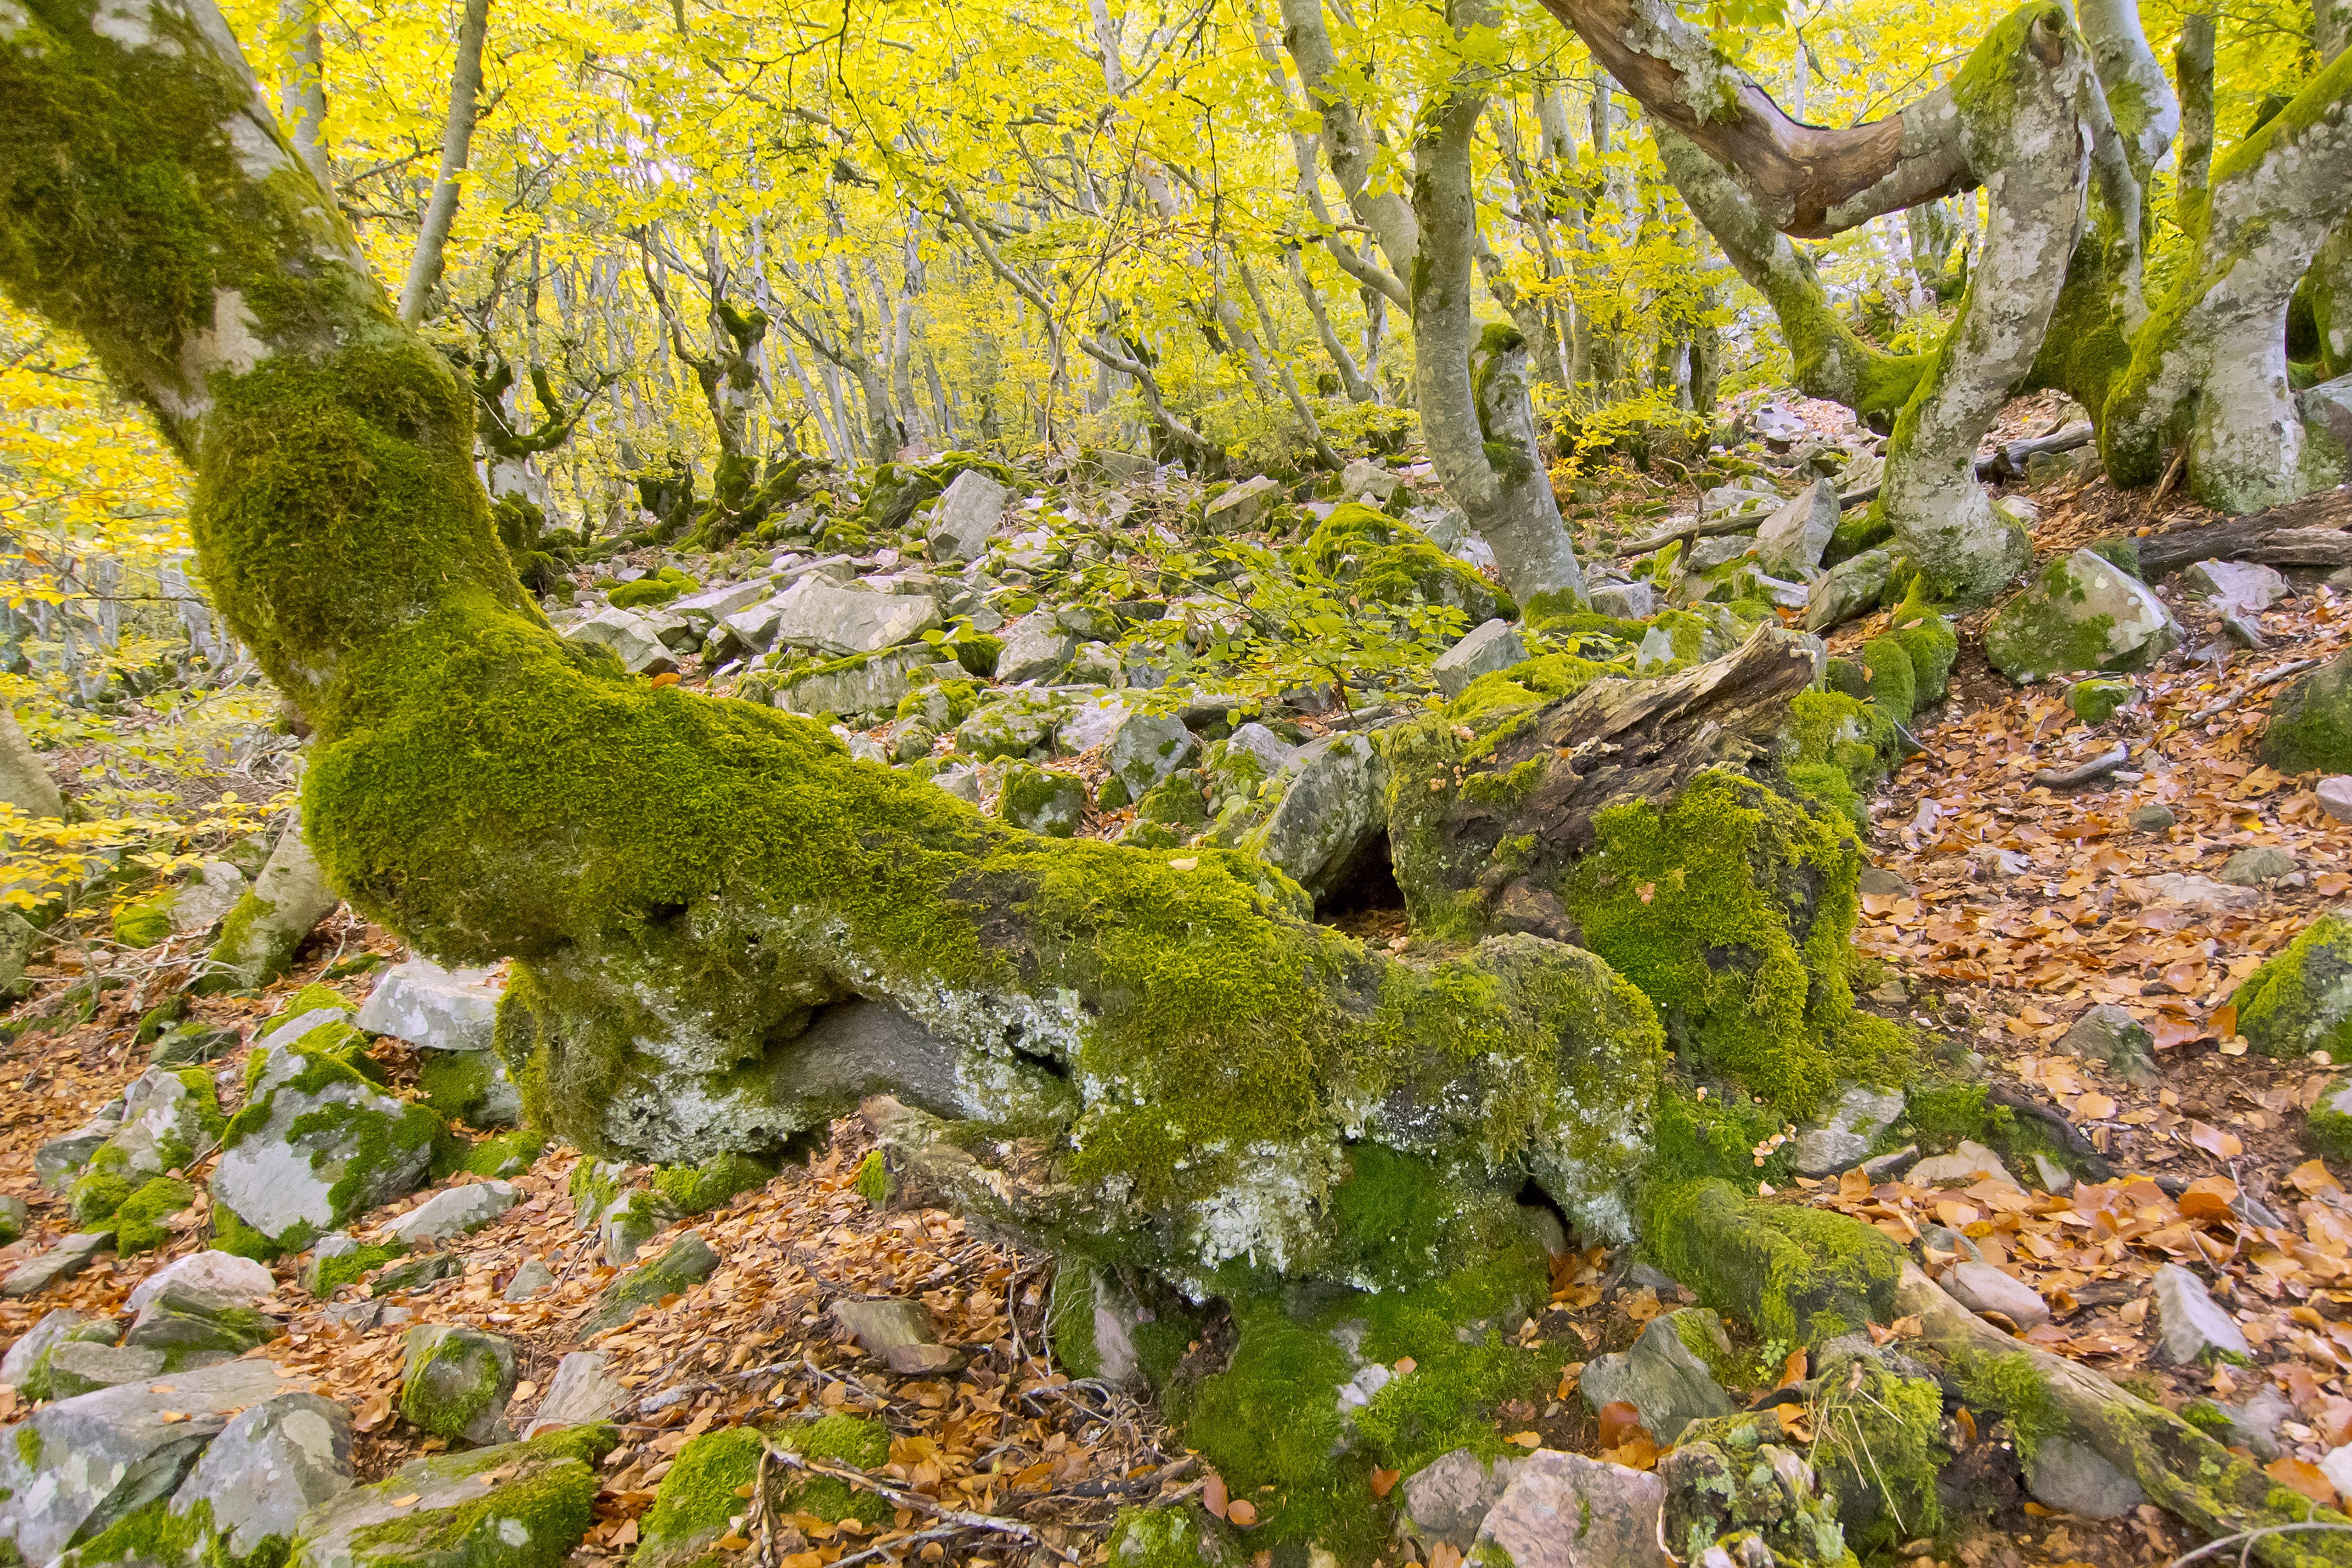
1242,507
1851,588
1625,600
882,1326
456,1382
1981,1288
184,1321
687,1262
454,1212
2082,612
26,1367
61,1159
580,1394
2257,867
417,1273
969,510
629,636
204,900
222,1274
814,614
62,1262
1330,813
2194,1327
77,1466
1037,648
1449,1498
2074,1478
1091,723
2335,794
1844,1134
1042,800
1564,1511
1369,482
432,1007
1146,747
2201,892
1729,1480
2107,1033
1490,646
1969,1161
80,1366
531,1277
434,1511
2152,819
1790,541
1660,1377
270,1466
2244,586
358,1147
861,687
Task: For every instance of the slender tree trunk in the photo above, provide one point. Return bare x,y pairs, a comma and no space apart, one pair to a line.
2329,285
1351,377
456,145
303,104
2192,60
1299,406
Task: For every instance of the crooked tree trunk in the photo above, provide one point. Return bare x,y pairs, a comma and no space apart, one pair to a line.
457,146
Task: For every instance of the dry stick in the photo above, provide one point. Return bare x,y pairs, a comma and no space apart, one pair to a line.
2098,767
2295,667
916,1502
2171,472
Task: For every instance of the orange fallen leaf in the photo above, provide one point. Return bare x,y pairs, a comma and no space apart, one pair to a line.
1241,1513
169,1416
2207,1197
1792,1371
1795,1421
1213,1496
1526,1439
1384,1482
2306,1479
1619,1420
1638,1453
409,1501
2094,1106
2222,1146
2311,1177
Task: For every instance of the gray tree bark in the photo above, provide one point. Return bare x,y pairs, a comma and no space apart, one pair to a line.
457,147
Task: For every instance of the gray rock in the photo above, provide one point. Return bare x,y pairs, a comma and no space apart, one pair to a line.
79,1465
2335,793
1843,1137
629,636
2152,819
1260,746
290,1029
880,1326
1969,1161
1367,481
1095,664
1848,588
969,510
1953,1243
432,1007
1790,541
2073,1478
1626,601
1449,1498
454,1212
2107,1033
417,1273
1490,646
505,1506
60,1160
2194,1327
2254,1422
81,1366
270,1466
579,1394
2053,1176
1885,884
633,1218
1091,723
713,604
687,1262
530,1278
1044,800
814,614
184,1321
1123,467
290,1187
1332,811
165,1125
210,891
2081,612
1037,648
221,1274
1242,508
871,686
1660,1377
2257,867
1726,500
26,1366
2202,893
1146,747
1564,1511
456,1383
62,1262
1981,1288
1721,550
2244,586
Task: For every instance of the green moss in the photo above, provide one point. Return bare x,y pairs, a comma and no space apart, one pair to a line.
697,1497
2034,636
1393,562
1878,1447
139,1222
1180,1536
645,591
2310,726
1928,640
507,1154
144,924
1269,1423
2012,1386
700,1188
96,1196
1733,910
2208,1418
1804,1275
326,1275
310,999
2300,1001
1070,1319
157,1534
457,1083
541,1505
873,1182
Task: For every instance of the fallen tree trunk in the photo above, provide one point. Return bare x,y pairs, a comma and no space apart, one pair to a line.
2308,532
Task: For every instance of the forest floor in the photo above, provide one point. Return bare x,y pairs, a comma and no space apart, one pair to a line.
2004,912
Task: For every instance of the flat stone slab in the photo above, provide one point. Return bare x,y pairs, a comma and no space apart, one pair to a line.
433,1008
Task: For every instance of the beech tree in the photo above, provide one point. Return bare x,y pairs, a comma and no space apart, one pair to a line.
2060,124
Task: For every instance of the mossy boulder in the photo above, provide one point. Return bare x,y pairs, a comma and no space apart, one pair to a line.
142,1222
456,1383
169,1115
2081,612
1802,1275
26,1368
1394,563
448,1510
2300,1001
506,1155
709,1185
1181,1535
701,1500
2310,726
1042,800
469,1086
189,1325
687,1262
143,923
1730,1478
340,1259
316,1143
2096,700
